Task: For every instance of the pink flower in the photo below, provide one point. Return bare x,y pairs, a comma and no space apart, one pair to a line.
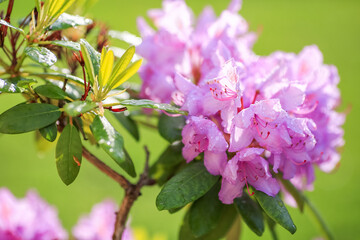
30,218
202,135
99,224
247,167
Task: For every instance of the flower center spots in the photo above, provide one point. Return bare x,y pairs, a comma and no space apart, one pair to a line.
200,142
222,89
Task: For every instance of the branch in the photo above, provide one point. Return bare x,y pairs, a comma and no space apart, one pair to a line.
124,183
131,194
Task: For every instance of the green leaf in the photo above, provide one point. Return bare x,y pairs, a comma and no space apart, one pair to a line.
188,185
112,143
150,104
59,76
297,195
251,213
91,58
50,91
67,44
49,132
23,82
129,124
276,210
1,1
28,117
41,55
7,86
167,164
225,222
15,85
175,210
185,230
204,214
71,90
3,22
170,127
68,21
78,107
68,154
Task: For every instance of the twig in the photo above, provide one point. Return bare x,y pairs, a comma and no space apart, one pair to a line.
124,183
131,194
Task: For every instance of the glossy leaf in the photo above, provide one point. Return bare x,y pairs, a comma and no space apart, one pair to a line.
168,162
91,58
60,76
15,85
49,132
150,104
28,117
3,22
68,154
50,91
67,44
68,21
7,86
41,55
188,185
170,127
79,107
112,143
251,213
129,124
71,90
276,210
204,214
225,222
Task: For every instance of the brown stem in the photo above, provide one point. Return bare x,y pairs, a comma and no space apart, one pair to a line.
132,191
131,194
124,183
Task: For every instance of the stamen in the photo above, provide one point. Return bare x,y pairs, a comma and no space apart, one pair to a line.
247,186
260,133
319,157
259,120
306,109
256,94
298,164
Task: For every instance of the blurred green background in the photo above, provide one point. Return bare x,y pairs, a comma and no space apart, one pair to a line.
334,25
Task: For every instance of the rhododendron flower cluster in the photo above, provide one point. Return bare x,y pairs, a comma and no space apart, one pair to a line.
30,218
252,116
